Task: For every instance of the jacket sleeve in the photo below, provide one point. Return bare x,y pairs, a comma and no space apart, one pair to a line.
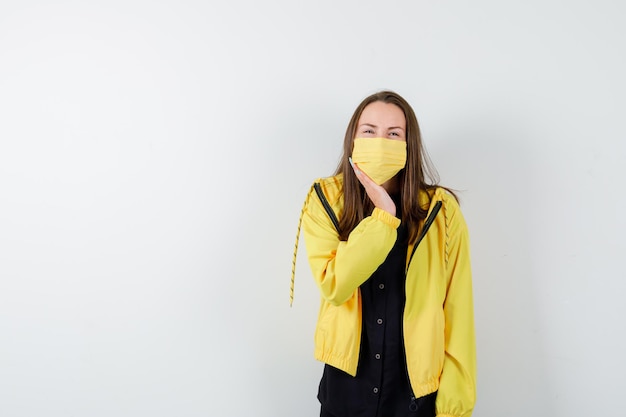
457,385
340,267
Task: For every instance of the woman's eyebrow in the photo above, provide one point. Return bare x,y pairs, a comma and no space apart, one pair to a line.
389,128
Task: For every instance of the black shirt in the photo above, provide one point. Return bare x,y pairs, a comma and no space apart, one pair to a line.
381,386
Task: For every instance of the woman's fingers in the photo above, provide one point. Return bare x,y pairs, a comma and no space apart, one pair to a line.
363,178
379,196
352,164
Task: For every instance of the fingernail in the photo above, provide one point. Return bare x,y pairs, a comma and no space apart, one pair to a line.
356,170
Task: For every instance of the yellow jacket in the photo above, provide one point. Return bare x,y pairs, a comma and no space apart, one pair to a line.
438,317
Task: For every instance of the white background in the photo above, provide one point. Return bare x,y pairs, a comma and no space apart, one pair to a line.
154,156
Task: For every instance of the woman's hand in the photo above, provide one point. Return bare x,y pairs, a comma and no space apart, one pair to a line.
379,196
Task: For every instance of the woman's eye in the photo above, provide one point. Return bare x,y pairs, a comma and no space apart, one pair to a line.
368,131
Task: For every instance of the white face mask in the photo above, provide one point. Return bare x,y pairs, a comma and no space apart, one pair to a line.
380,158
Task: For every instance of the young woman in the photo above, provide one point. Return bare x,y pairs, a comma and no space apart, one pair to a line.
389,252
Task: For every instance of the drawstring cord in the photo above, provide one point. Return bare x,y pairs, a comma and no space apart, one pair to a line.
295,254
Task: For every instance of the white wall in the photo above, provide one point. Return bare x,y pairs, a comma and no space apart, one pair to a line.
154,156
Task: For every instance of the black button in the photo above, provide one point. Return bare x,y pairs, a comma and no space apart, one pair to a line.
375,390
379,321
381,286
377,356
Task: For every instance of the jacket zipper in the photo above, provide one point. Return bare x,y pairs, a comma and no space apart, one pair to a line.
429,221
327,207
